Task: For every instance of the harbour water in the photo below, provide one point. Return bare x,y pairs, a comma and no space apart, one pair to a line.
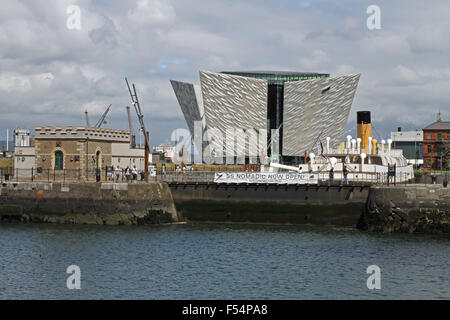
219,262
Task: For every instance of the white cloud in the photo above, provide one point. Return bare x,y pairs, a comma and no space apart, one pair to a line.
318,59
431,38
52,74
13,82
406,76
157,12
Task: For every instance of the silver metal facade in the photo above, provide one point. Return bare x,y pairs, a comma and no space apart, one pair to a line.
234,103
190,100
314,110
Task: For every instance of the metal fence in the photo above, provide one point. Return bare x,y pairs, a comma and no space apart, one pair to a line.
66,175
109,174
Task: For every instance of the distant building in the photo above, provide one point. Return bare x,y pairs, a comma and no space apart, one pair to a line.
247,117
436,145
167,149
411,142
21,138
24,152
155,157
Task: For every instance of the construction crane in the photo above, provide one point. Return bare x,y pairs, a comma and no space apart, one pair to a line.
137,107
102,118
130,125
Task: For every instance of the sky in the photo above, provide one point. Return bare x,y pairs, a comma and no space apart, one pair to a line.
51,72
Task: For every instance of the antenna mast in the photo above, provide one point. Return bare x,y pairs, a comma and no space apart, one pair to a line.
87,118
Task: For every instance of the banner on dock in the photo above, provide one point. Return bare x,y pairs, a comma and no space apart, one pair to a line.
266,177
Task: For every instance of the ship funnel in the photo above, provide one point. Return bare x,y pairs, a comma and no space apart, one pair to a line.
374,146
363,156
389,141
364,129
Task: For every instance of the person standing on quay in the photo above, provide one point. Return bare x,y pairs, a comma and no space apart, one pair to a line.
345,170
134,172
128,173
118,171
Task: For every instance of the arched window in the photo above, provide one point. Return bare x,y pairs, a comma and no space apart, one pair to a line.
59,160
97,159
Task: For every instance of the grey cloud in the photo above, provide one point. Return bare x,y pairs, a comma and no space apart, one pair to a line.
49,74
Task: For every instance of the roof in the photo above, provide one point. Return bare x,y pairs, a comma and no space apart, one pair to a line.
278,77
277,73
438,125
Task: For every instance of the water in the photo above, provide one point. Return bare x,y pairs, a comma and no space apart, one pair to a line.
219,262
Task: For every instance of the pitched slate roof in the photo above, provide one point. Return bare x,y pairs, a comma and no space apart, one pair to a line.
438,125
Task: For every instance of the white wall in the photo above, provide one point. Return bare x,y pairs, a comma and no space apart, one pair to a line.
123,156
24,160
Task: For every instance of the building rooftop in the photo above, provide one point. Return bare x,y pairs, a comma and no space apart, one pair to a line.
407,136
278,77
438,125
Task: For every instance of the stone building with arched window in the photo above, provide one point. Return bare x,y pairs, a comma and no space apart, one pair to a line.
79,152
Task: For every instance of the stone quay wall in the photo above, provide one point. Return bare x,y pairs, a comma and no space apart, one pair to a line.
421,208
87,203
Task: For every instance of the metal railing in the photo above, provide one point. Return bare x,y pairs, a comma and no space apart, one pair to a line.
106,174
66,175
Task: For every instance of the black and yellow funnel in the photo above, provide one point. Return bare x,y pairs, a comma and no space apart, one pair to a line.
364,129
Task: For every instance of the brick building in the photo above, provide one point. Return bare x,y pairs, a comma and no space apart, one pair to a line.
78,152
436,145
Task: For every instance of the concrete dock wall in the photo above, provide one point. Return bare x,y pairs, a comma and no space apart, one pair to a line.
87,203
411,208
408,208
341,206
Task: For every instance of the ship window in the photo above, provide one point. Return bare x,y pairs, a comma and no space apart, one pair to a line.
59,160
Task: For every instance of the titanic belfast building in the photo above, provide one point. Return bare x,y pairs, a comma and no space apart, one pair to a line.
291,113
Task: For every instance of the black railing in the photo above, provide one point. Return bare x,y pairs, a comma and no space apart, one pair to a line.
120,176
67,175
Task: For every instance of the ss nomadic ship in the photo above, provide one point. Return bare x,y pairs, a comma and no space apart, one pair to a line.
360,160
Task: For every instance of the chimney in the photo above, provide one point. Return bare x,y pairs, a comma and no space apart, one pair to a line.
399,129
364,128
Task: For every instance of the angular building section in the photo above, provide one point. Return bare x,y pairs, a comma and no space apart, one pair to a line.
189,97
234,103
290,112
314,110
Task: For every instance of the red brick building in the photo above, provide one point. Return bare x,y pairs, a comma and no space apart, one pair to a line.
436,145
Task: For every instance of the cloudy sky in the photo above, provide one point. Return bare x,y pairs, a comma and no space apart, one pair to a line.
49,73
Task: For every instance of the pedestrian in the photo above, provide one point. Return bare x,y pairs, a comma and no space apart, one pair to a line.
345,170
128,173
134,172
118,172
331,176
